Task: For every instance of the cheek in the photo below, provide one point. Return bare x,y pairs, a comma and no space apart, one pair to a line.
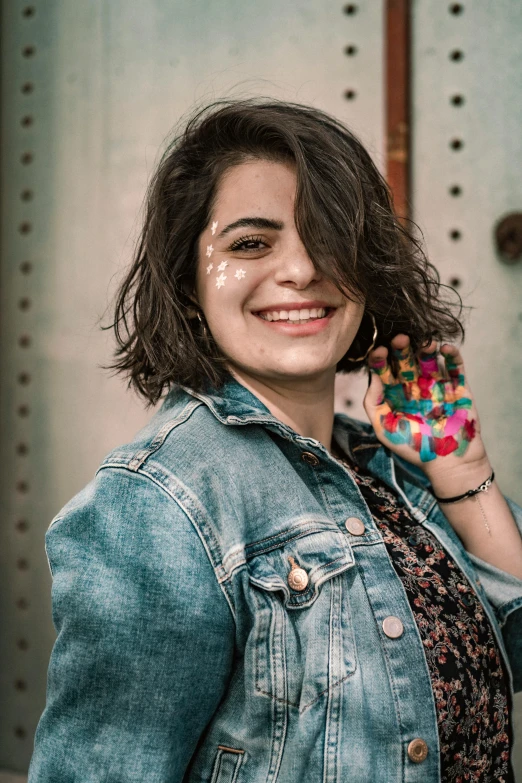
226,289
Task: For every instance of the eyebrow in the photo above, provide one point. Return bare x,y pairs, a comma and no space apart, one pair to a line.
252,222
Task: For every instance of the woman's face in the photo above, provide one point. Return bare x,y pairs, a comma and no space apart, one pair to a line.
273,315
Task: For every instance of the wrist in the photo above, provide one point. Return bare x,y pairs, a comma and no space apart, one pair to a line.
458,479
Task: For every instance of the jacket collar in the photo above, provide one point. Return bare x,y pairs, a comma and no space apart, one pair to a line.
234,404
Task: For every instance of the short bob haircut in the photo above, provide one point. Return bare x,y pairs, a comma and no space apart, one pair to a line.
344,216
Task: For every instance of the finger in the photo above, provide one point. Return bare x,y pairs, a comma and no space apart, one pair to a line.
378,362
408,369
428,362
374,402
454,365
393,389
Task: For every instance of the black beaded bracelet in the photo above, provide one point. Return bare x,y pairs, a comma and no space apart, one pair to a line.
482,488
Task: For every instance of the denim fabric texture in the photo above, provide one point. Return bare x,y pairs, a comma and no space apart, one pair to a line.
183,654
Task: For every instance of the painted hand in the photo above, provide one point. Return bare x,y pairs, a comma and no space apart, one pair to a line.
425,413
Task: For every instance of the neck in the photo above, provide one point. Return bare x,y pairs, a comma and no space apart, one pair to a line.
307,406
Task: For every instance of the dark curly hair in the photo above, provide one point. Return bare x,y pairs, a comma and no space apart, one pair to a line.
344,216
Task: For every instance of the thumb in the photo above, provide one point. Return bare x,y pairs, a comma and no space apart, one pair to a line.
374,402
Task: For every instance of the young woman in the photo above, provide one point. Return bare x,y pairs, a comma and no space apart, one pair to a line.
255,590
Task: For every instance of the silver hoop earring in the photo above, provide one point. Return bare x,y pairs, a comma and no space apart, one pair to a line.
360,358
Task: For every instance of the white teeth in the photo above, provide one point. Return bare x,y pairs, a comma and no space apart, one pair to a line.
302,316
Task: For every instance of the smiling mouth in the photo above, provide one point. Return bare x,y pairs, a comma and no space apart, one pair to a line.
302,316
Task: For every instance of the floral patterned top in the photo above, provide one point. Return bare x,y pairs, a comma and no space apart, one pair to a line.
469,681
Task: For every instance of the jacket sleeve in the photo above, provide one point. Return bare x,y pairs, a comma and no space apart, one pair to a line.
145,638
504,592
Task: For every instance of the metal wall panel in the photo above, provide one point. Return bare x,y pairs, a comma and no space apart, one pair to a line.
467,158
467,140
85,113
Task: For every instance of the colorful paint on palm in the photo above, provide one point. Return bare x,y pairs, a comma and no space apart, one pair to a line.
425,410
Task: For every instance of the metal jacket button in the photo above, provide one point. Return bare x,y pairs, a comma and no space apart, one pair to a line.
392,627
310,458
297,578
354,526
417,750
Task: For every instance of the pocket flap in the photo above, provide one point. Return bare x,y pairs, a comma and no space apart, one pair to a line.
322,554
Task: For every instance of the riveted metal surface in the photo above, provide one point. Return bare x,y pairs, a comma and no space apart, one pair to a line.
466,160
467,156
88,101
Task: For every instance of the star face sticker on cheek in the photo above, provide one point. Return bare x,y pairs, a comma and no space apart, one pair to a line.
222,266
214,227
240,273
220,280
210,267
210,250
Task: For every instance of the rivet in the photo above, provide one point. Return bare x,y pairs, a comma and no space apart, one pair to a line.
297,578
456,144
456,8
417,750
392,627
355,526
457,100
456,55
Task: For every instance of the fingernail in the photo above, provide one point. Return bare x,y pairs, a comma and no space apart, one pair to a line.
380,400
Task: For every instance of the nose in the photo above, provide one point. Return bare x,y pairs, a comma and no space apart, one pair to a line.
295,268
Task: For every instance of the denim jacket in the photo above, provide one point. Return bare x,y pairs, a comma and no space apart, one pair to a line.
183,651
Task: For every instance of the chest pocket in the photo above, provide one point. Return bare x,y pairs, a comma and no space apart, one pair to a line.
302,641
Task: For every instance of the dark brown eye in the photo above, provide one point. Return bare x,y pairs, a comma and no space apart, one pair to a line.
246,244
